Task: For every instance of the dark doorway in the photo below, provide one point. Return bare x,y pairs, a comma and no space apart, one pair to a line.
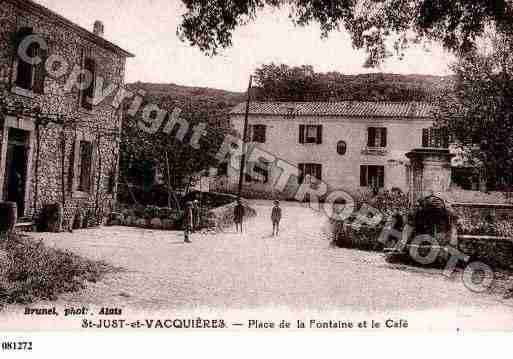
16,169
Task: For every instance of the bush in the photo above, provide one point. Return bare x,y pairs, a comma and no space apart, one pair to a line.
349,235
387,202
35,272
166,213
151,212
489,226
352,234
139,211
50,219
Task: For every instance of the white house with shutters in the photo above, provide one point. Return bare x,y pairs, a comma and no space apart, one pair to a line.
349,145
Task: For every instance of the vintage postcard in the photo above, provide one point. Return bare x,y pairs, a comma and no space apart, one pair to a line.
254,166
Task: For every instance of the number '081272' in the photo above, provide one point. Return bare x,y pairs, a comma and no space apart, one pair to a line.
17,346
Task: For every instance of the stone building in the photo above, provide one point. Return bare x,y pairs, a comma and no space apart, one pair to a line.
351,146
57,144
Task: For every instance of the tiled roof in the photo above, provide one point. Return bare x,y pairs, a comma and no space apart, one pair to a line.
38,10
344,109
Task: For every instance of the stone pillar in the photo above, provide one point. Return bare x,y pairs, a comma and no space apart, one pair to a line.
430,171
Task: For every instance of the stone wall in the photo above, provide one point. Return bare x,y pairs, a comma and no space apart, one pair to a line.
223,217
102,119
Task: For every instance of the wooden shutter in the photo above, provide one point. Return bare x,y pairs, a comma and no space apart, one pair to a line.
435,137
24,70
264,133
89,65
381,177
425,137
318,172
371,137
248,172
71,169
383,137
92,67
301,133
319,134
301,175
266,167
363,176
40,75
445,137
86,164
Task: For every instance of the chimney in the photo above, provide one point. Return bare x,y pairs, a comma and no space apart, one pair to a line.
98,28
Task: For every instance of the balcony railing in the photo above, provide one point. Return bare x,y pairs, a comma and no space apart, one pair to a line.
375,151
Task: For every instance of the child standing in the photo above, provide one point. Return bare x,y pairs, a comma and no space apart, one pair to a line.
188,221
238,215
196,215
276,218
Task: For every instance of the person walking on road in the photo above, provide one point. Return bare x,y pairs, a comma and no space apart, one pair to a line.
276,218
196,215
238,215
188,222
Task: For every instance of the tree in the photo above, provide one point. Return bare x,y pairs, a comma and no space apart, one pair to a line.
455,23
479,112
142,152
285,83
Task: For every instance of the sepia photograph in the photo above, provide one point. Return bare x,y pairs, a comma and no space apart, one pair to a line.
255,166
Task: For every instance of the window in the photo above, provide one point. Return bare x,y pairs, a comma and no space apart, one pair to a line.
258,133
341,148
261,171
377,137
372,176
28,76
310,134
87,94
223,169
85,166
313,170
258,172
290,113
435,137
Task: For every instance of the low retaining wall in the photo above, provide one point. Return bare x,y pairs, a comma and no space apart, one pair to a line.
118,219
483,231
223,217
152,217
489,238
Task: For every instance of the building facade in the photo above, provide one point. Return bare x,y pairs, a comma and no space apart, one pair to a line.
351,146
57,145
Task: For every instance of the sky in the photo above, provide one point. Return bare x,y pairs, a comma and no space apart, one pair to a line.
147,28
